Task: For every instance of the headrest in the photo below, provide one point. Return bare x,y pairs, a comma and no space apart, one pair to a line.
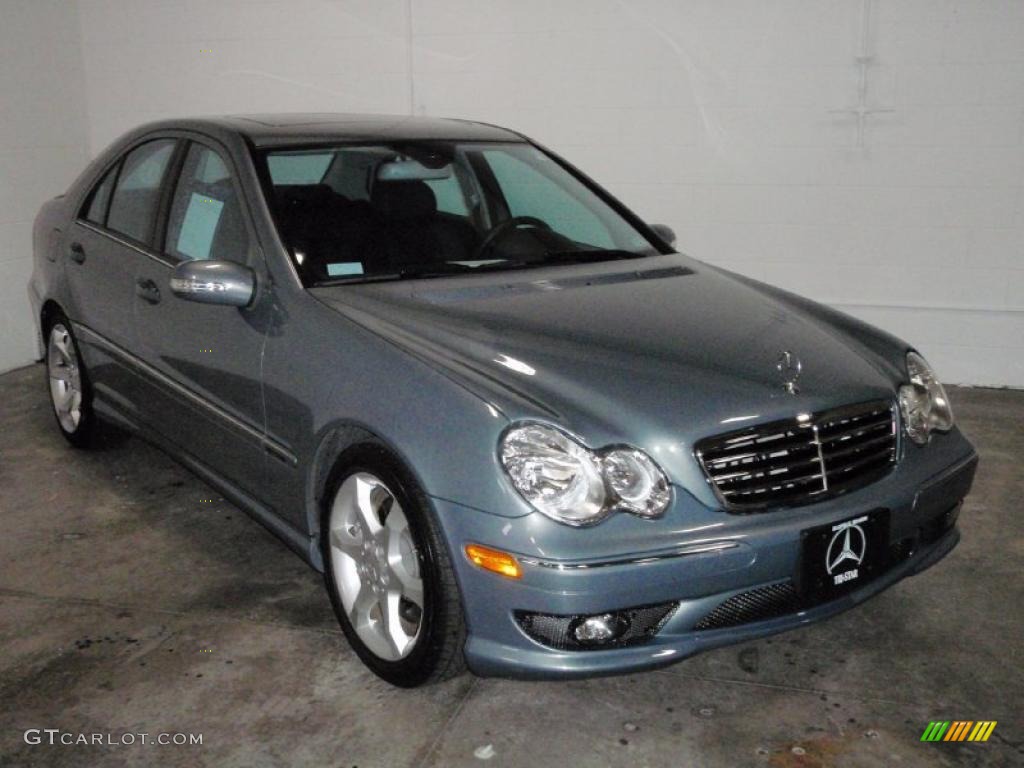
403,199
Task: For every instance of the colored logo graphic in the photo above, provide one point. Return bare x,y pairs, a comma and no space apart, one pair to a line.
959,730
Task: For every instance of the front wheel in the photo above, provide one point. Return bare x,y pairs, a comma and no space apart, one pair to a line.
388,572
70,394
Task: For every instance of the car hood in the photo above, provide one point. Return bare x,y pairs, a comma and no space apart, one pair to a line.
658,353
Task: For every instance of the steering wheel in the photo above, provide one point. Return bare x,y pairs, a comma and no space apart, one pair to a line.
502,229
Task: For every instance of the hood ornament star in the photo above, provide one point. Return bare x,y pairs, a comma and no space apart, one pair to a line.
789,367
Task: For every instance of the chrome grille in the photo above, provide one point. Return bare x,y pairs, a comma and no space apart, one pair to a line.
803,459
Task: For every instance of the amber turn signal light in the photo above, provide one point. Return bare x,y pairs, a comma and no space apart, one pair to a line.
494,560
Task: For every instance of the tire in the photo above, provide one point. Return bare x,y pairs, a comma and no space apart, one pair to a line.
388,572
68,384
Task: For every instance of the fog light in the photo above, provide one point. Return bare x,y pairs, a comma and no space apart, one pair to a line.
600,629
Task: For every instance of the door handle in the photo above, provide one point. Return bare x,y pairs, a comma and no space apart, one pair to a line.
147,290
77,253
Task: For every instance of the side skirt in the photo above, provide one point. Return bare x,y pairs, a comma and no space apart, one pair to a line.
302,544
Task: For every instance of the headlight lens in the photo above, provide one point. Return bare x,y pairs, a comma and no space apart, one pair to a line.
572,484
638,483
557,475
923,402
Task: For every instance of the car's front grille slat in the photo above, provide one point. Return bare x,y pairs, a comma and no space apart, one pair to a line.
753,448
803,459
876,444
853,433
812,474
784,464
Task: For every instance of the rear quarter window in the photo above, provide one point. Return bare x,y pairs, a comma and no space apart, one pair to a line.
95,208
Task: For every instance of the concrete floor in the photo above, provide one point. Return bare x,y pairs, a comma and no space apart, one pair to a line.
133,599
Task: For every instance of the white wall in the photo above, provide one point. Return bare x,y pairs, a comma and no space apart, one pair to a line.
721,118
42,146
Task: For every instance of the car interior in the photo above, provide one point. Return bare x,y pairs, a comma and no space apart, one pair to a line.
397,227
380,211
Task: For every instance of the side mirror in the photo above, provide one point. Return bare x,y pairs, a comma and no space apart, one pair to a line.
214,282
664,231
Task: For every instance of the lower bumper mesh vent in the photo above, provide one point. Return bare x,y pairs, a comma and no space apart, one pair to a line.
766,602
555,631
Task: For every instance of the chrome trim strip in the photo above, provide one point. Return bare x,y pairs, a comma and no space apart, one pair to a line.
269,445
693,549
100,231
821,458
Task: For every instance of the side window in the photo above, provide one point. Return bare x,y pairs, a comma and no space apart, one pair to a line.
206,219
135,200
96,207
529,192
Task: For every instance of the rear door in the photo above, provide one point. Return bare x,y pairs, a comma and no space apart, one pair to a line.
104,247
205,359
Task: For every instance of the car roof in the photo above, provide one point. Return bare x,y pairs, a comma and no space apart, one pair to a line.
284,129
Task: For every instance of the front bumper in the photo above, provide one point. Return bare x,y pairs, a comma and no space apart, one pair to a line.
699,576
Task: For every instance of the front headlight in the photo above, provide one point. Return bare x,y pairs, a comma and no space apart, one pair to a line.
638,483
568,482
923,402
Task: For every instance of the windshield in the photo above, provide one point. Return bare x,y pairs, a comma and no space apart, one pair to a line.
430,209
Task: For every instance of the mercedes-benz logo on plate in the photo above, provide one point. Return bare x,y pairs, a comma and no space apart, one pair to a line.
849,545
789,367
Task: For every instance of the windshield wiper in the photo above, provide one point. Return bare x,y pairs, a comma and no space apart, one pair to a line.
588,256
550,258
449,269
410,273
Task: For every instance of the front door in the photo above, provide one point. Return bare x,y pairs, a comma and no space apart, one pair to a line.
204,359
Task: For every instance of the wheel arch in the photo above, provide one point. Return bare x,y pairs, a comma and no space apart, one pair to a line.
47,314
335,440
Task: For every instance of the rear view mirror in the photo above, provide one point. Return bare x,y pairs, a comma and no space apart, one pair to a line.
410,170
214,282
664,231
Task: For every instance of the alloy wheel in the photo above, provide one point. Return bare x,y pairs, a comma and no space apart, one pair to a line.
65,378
376,566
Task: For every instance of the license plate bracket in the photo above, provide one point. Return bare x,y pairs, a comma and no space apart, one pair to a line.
841,556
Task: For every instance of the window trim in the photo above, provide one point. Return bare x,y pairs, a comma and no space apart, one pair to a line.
163,208
124,242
